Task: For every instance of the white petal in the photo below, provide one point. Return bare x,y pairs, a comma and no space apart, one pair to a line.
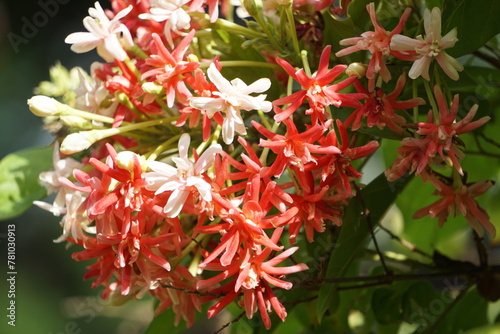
404,43
114,48
258,86
420,67
175,203
182,164
228,131
184,142
162,168
171,185
209,104
203,187
432,22
206,160
222,84
449,40
82,41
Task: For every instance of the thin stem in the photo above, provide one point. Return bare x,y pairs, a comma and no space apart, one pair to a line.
442,316
305,62
242,63
237,29
162,147
194,292
291,27
405,243
370,226
415,95
430,96
481,250
231,322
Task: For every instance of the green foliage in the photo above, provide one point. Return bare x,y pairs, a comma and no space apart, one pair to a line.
471,17
376,198
19,185
386,305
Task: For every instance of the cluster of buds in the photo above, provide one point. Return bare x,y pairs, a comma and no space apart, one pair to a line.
167,171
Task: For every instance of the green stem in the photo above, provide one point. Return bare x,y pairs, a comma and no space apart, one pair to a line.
415,95
305,62
430,96
243,63
237,29
162,147
291,27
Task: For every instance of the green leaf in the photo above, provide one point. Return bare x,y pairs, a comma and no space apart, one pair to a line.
381,133
386,305
416,301
164,323
19,185
378,196
434,3
359,15
343,29
471,17
467,317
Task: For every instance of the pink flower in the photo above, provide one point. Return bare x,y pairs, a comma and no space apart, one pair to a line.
438,140
103,35
376,42
446,128
459,199
430,47
51,180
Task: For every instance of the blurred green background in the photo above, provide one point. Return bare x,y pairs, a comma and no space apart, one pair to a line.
51,296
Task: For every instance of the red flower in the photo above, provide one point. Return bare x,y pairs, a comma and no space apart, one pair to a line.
252,275
316,90
379,108
170,69
294,148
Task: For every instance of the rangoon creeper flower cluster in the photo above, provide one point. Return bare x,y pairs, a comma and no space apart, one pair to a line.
187,183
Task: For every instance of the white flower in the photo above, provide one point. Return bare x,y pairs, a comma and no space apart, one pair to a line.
51,181
92,95
73,222
184,179
103,35
171,11
233,97
431,47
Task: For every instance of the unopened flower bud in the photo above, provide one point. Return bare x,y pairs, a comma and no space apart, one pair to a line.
192,58
152,88
356,69
44,106
126,160
77,142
